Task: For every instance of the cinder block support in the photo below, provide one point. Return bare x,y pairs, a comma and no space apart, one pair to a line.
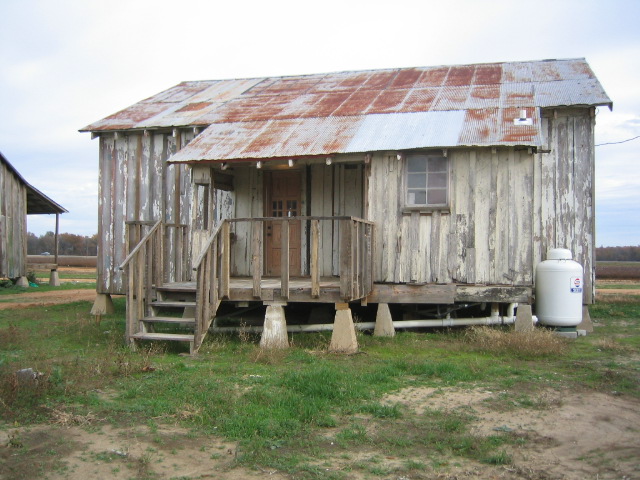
274,332
524,319
384,322
102,305
22,282
586,324
343,339
54,278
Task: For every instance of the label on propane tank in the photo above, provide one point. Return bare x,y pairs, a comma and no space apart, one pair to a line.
576,285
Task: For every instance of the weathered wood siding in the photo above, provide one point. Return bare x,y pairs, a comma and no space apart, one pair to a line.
13,224
507,208
332,190
485,237
565,195
136,184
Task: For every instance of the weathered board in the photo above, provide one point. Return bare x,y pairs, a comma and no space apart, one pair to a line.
13,224
137,185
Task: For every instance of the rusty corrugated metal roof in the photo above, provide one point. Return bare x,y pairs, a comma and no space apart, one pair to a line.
445,106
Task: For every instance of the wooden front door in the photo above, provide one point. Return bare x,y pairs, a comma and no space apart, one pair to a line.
283,192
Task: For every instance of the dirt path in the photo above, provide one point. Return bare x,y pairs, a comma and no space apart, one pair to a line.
41,299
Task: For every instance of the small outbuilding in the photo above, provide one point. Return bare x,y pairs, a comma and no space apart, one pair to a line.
437,189
17,200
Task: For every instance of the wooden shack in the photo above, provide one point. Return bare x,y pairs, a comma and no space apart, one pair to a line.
17,200
436,186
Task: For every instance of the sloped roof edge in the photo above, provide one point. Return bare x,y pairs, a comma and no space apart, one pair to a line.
37,202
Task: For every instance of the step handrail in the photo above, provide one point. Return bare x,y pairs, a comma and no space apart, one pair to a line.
207,246
140,244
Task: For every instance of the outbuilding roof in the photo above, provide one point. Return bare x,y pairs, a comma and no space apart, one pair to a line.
37,202
446,106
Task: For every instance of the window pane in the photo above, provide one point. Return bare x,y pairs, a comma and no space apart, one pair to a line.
417,164
437,197
416,180
417,197
437,164
437,180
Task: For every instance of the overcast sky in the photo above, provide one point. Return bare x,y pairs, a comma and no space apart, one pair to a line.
67,63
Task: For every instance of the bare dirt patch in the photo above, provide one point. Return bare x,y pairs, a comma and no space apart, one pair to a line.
58,452
565,435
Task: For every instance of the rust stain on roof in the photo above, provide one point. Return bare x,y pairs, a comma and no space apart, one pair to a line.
190,107
315,114
459,76
488,74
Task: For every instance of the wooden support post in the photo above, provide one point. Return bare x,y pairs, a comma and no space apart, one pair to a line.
284,260
256,258
343,338
56,239
384,322
315,252
345,260
225,272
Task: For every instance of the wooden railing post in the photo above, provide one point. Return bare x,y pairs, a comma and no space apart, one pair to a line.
345,259
226,260
284,259
256,258
315,253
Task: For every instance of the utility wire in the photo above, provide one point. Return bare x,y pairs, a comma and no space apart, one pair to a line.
614,143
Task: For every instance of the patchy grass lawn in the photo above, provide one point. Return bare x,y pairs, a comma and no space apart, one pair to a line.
447,404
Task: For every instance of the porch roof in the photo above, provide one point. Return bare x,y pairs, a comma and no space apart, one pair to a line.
445,106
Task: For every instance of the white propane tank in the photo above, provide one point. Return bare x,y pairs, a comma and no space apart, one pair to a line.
559,286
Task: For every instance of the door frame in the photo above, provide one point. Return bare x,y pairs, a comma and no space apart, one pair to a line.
268,197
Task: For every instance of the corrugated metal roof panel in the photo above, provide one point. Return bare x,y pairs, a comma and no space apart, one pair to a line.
363,133
319,114
400,131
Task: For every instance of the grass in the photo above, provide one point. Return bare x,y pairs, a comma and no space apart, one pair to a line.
65,275
285,408
15,290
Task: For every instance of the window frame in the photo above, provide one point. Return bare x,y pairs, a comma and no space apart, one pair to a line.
440,207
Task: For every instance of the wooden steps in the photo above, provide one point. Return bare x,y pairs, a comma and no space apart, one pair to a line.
174,337
163,321
172,304
170,320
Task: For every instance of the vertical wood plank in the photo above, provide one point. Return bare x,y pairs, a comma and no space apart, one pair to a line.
226,260
315,251
256,257
345,260
284,259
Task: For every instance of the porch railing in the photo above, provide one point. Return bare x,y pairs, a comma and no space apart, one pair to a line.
152,262
212,279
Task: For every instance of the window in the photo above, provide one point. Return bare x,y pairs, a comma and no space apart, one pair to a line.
427,181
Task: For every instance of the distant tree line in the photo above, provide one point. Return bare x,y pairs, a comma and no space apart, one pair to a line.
618,254
68,244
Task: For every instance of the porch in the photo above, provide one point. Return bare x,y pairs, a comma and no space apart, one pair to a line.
159,281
